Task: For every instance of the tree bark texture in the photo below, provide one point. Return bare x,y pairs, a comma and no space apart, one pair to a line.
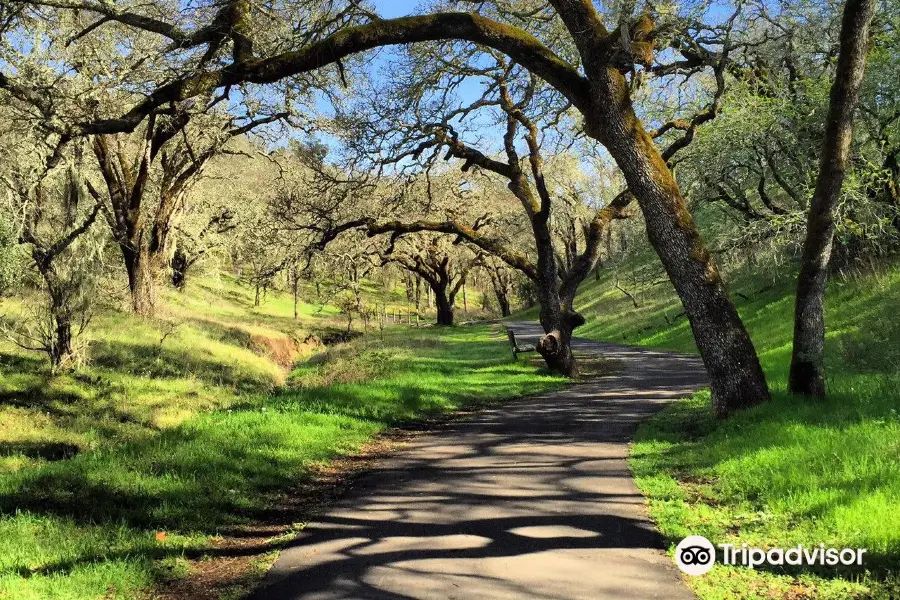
807,374
736,377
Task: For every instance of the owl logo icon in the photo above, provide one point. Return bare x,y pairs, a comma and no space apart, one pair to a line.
695,555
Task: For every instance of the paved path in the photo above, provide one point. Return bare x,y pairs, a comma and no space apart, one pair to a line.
531,499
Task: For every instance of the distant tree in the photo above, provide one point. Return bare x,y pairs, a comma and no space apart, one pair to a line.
193,247
347,304
260,254
295,277
439,263
55,219
502,279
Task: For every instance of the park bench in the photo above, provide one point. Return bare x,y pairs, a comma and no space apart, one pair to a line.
516,349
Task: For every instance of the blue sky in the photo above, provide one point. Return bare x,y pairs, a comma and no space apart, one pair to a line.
379,61
394,8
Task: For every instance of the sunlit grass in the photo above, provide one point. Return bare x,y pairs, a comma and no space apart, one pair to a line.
194,433
792,471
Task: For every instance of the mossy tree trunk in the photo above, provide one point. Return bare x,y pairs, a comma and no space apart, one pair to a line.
142,272
736,377
807,375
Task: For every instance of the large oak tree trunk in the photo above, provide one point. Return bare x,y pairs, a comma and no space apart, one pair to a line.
145,255
141,280
736,377
555,346
502,301
444,305
807,374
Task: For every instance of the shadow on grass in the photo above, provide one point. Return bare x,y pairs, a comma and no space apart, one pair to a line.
159,361
810,465
39,395
224,469
69,397
16,363
49,451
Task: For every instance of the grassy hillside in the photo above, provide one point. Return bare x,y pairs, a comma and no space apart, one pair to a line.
182,427
794,471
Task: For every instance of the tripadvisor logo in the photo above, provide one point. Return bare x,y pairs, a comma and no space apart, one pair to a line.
696,555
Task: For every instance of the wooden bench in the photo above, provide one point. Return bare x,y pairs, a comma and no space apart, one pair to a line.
516,349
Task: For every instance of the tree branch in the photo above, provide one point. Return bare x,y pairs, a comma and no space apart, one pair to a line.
514,259
521,46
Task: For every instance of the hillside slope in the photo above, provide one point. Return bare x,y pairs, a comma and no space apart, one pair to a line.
797,471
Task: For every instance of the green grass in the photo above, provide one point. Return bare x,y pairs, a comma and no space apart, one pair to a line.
792,471
201,433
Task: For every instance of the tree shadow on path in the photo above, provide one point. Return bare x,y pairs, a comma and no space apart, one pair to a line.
531,499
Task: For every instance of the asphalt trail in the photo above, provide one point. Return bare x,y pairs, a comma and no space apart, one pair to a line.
531,499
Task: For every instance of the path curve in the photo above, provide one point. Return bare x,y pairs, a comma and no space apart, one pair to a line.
529,499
